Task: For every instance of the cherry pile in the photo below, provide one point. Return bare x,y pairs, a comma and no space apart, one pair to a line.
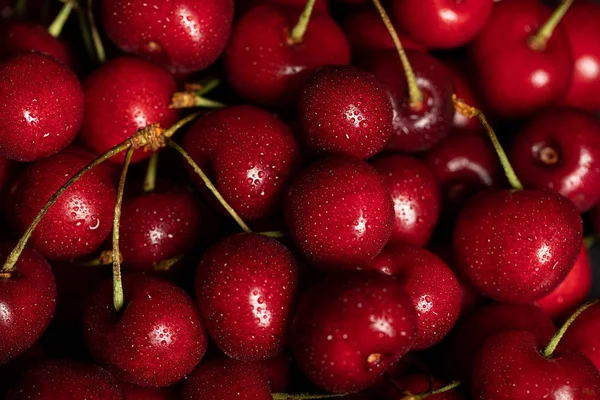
299,199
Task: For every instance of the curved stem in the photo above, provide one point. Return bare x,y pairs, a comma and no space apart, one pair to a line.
150,179
540,39
209,185
296,35
549,350
470,112
59,22
100,53
416,96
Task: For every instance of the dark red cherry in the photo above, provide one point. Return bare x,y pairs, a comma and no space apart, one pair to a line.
511,365
12,370
184,36
415,195
80,220
244,288
473,330
345,111
582,336
416,384
539,78
339,213
27,302
41,106
66,379
560,150
517,245
248,153
134,392
124,95
350,328
266,67
416,130
155,340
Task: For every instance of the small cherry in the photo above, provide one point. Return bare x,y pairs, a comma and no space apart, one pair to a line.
345,111
350,328
418,386
41,106
339,213
582,335
560,150
185,36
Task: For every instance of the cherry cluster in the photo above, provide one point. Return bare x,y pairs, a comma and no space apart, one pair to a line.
298,199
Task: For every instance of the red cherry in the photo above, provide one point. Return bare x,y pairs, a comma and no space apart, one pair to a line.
465,90
339,213
345,111
248,153
122,96
276,79
12,370
560,150
416,384
511,365
65,379
184,36
517,245
349,329
41,107
80,220
155,340
245,286
133,392
582,336
442,24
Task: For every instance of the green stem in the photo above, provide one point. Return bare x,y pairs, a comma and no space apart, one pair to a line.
286,396
540,40
296,35
549,350
85,32
209,86
100,53
59,22
589,241
273,234
165,265
150,179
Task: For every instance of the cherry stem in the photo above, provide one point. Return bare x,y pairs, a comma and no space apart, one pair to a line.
549,350
5,275
59,22
105,258
451,386
273,234
100,53
296,35
287,396
150,179
20,8
540,40
416,96
470,112
589,241
209,185
165,265
193,99
85,32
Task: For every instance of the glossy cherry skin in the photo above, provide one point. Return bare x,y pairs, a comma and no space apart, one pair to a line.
155,340
539,79
66,379
416,197
416,130
416,384
582,335
265,68
431,286
226,379
510,365
473,330
244,288
517,245
249,155
345,111
560,150
80,220
184,36
442,24
124,95
41,107
134,392
339,213
27,301
350,328
583,32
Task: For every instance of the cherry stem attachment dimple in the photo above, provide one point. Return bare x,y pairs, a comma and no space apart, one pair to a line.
415,94
150,179
287,396
96,39
549,350
296,35
540,39
471,112
57,25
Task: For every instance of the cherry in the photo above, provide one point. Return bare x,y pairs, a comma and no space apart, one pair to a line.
416,197
276,79
41,107
415,384
431,286
66,379
245,286
27,302
248,153
582,335
12,370
80,220
442,24
350,328
465,90
185,36
517,30
122,96
339,213
560,150
473,330
155,340
345,111
133,392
